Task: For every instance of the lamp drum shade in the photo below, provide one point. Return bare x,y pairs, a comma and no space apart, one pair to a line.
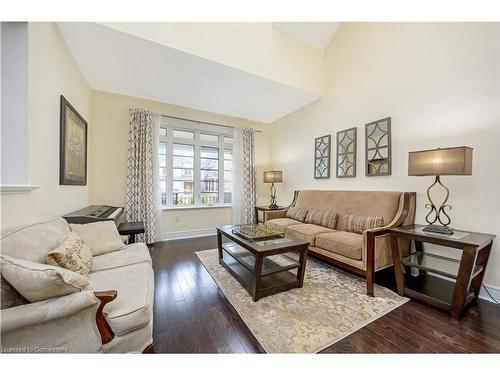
273,176
440,162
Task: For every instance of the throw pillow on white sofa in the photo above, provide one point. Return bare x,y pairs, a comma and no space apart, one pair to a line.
73,254
101,236
38,282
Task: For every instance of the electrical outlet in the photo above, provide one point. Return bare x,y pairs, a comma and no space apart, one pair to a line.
177,219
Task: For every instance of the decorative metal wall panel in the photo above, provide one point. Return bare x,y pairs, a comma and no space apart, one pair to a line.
322,156
378,148
346,153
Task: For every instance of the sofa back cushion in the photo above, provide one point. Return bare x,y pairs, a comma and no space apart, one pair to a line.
33,242
359,203
101,236
327,219
297,213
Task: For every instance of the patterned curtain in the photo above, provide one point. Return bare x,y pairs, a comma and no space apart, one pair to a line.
140,200
249,198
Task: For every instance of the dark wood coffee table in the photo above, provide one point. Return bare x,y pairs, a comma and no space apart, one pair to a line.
263,267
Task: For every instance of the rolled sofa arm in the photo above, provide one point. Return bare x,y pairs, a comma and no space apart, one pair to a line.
63,324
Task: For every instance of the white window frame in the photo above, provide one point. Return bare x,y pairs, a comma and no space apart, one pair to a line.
170,124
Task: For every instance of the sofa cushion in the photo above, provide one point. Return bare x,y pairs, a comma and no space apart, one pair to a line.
307,232
133,306
33,242
38,282
358,224
132,254
102,236
281,223
297,213
344,243
73,254
323,218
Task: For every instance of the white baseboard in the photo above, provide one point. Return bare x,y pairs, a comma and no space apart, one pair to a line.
188,234
494,291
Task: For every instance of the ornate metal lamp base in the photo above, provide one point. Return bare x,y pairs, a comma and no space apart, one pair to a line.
439,213
441,229
273,204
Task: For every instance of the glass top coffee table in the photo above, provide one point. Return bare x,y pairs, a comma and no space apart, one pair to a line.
263,267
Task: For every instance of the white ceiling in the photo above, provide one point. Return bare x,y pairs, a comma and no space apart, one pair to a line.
124,64
317,34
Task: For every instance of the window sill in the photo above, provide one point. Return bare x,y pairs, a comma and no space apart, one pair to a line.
17,188
194,207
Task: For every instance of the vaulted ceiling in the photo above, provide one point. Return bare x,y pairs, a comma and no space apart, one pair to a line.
318,34
256,71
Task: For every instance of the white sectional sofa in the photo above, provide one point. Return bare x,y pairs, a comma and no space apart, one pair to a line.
114,315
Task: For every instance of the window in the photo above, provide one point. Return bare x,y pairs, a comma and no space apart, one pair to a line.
183,176
14,103
209,177
195,162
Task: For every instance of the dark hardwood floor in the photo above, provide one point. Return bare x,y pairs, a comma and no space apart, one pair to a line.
191,315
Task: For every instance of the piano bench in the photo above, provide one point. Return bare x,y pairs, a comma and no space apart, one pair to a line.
131,229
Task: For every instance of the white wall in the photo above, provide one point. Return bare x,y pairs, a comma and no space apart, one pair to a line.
438,82
51,72
108,157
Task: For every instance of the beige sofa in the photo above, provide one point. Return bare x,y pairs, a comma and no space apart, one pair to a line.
364,253
115,314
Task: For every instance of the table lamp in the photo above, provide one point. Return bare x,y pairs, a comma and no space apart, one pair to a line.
439,162
273,177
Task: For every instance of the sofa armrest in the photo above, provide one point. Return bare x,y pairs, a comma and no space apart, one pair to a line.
63,324
105,330
369,242
275,214
406,211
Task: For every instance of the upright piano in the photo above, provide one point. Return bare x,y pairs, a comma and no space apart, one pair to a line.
91,214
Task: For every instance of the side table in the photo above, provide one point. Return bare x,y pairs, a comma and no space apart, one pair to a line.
264,209
443,282
131,229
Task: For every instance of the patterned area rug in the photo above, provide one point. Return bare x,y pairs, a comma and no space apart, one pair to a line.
330,306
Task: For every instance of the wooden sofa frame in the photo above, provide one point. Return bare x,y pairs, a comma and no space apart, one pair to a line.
105,330
406,213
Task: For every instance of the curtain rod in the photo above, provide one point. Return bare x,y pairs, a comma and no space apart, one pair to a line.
208,123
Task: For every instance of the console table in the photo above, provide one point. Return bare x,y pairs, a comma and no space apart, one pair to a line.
264,209
443,282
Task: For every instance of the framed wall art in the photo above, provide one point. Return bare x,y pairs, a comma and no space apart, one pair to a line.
378,147
73,146
346,153
322,157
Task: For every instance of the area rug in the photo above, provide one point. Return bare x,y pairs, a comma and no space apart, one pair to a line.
330,306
